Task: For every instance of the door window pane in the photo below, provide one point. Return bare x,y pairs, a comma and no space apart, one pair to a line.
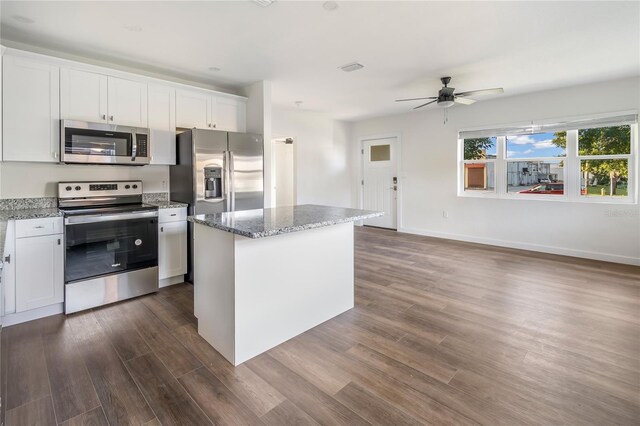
480,148
537,145
604,178
479,176
614,140
380,152
536,177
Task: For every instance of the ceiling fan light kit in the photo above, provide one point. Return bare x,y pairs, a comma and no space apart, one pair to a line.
447,98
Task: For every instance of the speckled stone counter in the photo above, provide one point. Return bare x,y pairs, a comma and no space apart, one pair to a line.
262,223
24,208
161,200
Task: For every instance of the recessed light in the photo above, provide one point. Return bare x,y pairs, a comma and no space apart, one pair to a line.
23,19
298,103
330,5
353,66
264,3
214,69
132,27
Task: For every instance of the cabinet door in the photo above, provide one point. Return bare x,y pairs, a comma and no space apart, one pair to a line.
230,114
39,272
127,102
31,111
193,109
83,96
172,249
162,124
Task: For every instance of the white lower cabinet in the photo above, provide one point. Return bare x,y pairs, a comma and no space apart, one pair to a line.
39,279
172,243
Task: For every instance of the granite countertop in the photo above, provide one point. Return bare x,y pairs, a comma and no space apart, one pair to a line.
167,204
262,223
21,214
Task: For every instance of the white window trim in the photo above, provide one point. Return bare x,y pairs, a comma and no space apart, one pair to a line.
572,174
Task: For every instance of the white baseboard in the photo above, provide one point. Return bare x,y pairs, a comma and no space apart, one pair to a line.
606,257
171,281
33,314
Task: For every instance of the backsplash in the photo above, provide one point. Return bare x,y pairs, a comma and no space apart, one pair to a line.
154,197
28,203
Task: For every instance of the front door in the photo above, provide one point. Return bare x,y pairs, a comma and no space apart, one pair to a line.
380,180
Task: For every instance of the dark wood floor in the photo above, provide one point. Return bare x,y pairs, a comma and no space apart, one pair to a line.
442,333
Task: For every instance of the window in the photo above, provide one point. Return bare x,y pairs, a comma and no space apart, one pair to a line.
535,159
479,164
380,152
585,159
605,154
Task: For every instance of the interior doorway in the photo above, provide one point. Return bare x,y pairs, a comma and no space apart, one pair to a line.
284,172
380,180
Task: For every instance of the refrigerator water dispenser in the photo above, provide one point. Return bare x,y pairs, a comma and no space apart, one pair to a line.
213,183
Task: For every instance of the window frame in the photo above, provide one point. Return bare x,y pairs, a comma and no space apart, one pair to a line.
572,162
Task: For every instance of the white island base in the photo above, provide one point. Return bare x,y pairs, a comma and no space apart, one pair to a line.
253,294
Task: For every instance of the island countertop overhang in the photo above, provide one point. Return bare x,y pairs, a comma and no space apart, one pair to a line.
261,223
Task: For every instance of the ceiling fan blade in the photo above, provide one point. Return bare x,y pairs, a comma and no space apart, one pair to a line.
416,99
464,101
495,91
420,106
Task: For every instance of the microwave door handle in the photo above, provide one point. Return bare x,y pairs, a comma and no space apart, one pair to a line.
232,184
134,146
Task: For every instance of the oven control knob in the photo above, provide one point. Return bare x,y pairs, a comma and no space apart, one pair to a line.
135,186
127,187
68,188
78,188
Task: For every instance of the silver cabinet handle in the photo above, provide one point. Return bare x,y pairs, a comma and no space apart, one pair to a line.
111,117
104,116
162,229
38,227
214,126
58,241
7,258
172,214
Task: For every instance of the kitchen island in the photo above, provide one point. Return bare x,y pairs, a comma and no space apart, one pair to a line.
264,276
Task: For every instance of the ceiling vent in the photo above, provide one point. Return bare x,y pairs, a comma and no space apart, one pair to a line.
354,66
263,3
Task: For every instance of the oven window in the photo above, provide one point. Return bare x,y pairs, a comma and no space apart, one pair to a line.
104,248
92,142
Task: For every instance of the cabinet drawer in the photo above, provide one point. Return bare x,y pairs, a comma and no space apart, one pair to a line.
36,227
172,215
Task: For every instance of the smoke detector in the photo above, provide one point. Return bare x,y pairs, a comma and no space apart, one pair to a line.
354,66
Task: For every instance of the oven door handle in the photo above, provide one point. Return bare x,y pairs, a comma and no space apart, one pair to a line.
96,218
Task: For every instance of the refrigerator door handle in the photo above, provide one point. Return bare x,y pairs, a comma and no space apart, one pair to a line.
232,185
225,180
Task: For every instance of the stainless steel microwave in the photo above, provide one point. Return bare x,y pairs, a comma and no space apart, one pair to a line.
101,143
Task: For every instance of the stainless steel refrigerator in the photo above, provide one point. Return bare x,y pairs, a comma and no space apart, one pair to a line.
215,172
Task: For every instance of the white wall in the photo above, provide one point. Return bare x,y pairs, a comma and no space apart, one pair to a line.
428,178
322,155
25,180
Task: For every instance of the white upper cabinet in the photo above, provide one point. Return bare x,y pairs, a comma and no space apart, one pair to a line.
230,114
193,109
162,124
83,96
127,102
203,110
31,110
98,98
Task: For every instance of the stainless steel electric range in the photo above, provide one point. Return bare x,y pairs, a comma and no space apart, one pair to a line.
111,243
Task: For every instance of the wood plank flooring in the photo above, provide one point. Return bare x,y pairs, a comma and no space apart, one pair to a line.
443,332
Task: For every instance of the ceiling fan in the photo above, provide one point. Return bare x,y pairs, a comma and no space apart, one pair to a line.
447,98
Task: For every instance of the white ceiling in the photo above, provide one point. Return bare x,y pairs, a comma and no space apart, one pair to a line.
404,46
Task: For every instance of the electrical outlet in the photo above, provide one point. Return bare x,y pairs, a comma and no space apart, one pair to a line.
164,185
445,214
